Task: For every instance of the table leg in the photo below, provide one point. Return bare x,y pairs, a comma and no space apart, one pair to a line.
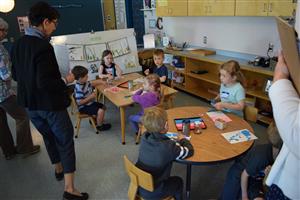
188,180
122,115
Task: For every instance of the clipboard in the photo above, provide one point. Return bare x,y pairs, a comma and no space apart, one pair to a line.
290,50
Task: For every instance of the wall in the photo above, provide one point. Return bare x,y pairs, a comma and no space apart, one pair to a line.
239,34
72,20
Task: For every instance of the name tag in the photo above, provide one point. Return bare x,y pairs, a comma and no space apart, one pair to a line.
224,95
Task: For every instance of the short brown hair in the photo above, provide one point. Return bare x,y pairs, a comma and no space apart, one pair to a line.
154,119
79,72
153,80
273,136
158,52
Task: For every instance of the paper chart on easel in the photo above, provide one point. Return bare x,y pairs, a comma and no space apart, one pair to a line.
94,52
119,47
75,52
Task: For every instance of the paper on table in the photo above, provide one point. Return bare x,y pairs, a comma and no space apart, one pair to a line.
239,136
174,136
218,115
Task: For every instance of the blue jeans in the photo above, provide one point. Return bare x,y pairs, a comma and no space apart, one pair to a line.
57,131
134,121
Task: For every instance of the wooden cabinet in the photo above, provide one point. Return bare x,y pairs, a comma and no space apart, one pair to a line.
265,7
207,85
171,8
211,7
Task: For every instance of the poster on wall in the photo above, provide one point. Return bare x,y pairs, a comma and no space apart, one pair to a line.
94,52
119,47
23,23
75,52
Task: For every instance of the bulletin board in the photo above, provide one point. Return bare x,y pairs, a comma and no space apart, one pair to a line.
86,49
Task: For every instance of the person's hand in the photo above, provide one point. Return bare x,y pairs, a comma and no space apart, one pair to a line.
93,95
147,72
110,77
219,106
281,70
69,78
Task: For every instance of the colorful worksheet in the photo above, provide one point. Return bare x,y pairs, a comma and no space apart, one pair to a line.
239,136
218,115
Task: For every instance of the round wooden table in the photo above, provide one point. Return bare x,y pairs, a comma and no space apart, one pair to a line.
210,146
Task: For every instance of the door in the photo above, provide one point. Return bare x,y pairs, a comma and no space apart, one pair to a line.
109,16
251,8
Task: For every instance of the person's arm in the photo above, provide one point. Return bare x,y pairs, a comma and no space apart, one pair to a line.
118,70
5,74
233,106
138,97
162,79
183,149
286,107
244,185
48,76
101,75
88,99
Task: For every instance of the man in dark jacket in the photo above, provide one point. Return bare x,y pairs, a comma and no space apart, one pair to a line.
157,153
42,91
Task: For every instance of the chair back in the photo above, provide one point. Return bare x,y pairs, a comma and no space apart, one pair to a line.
250,113
138,178
162,98
73,101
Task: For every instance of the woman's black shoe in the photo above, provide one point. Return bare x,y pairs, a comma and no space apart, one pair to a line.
59,176
69,196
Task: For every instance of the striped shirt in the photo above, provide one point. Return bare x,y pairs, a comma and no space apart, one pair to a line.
82,91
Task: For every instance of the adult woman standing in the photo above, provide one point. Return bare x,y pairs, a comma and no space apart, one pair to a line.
8,104
43,92
284,178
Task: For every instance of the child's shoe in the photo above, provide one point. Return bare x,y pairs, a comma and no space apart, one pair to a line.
104,127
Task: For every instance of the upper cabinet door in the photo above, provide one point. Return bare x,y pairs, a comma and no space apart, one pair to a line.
171,8
251,8
198,7
221,8
281,7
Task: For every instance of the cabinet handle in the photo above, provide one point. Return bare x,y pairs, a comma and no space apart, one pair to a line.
270,7
265,7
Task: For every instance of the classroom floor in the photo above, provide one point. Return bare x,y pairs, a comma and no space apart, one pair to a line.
100,168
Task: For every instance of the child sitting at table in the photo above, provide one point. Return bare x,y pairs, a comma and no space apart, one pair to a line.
232,93
157,153
147,96
85,97
160,69
108,69
245,177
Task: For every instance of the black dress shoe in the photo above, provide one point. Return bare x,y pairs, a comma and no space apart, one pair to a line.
59,176
69,196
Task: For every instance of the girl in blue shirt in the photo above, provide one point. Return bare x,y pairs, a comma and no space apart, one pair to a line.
232,92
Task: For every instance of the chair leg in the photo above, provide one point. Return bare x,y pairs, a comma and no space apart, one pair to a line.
77,127
93,124
138,137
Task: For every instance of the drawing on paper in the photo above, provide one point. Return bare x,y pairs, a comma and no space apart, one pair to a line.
94,52
119,47
129,62
93,67
75,52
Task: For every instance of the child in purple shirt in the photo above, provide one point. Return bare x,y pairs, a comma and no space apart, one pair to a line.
148,96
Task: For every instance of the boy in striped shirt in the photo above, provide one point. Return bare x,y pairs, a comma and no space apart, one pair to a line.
86,97
157,153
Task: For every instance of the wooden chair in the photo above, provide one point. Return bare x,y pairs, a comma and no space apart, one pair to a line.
138,178
80,116
250,113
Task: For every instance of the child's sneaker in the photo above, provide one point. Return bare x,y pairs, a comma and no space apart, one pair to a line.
104,127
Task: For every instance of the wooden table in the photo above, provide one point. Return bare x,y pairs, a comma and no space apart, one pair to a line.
122,99
210,146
